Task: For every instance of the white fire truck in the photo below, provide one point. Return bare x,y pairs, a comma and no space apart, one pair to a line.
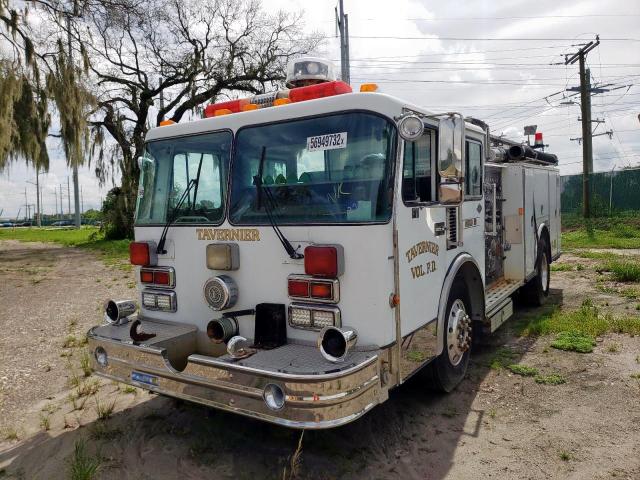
301,253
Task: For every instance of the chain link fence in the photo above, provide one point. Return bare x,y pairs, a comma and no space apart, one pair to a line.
611,192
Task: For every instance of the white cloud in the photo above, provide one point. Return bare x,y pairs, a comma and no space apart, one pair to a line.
508,107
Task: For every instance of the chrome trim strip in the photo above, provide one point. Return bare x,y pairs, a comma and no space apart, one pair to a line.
322,424
213,362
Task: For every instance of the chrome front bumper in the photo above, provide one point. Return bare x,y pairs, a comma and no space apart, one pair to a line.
318,394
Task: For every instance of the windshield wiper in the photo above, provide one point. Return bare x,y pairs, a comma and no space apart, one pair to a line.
268,205
192,183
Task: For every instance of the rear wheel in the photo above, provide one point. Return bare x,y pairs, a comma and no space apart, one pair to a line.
450,367
536,290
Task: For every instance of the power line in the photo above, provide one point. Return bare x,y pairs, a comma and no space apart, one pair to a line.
486,39
533,17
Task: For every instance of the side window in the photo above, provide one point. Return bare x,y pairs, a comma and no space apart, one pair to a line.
473,172
417,169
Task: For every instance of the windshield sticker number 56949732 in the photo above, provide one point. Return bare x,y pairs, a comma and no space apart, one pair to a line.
330,141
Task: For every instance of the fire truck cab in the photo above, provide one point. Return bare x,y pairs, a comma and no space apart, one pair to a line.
300,253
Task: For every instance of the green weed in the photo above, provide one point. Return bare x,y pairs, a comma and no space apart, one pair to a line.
636,375
113,252
101,431
523,370
416,356
613,348
574,342
87,388
565,456
587,320
45,423
83,466
551,379
502,357
624,271
85,363
561,267
104,410
10,434
130,389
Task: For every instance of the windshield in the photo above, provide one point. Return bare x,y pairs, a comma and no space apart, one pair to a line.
333,169
166,170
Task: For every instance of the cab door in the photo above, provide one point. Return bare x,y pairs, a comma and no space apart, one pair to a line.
422,247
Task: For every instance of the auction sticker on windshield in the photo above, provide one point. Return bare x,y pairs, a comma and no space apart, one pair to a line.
331,141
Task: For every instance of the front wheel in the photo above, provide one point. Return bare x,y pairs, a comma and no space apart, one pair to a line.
450,367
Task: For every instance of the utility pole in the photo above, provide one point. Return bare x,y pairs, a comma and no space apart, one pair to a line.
69,198
61,204
55,194
342,22
76,193
26,205
585,106
81,201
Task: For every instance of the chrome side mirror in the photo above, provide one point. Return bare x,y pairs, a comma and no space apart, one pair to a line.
451,147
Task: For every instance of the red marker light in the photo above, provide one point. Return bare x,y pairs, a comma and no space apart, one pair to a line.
161,277
234,106
321,290
146,276
139,253
298,288
538,139
324,261
321,90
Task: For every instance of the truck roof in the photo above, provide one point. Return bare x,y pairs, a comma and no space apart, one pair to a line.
381,103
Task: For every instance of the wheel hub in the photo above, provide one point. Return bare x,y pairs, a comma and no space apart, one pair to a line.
459,333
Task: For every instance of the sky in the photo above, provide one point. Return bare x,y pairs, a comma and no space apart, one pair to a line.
490,59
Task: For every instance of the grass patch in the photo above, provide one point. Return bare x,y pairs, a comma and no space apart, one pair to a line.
85,363
101,431
130,389
587,321
636,375
574,342
87,388
613,348
621,231
105,410
523,370
591,254
565,456
561,267
71,341
550,379
623,271
10,434
83,466
89,238
416,356
45,423
501,358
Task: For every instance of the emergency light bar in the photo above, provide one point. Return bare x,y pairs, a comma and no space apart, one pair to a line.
281,97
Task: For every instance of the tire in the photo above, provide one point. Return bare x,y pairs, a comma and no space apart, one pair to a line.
450,367
536,291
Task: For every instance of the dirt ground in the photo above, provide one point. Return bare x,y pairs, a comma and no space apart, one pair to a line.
495,425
